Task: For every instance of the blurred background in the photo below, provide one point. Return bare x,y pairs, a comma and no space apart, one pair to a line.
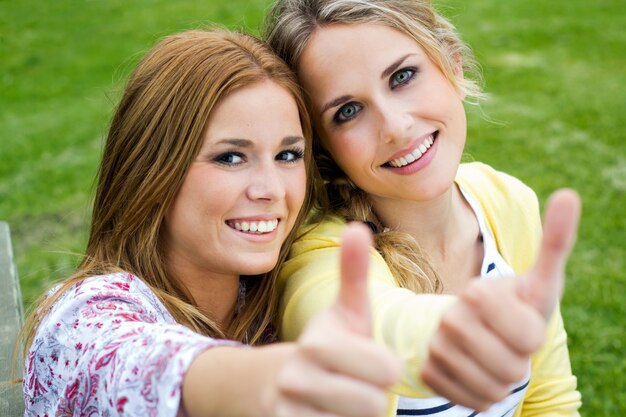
555,72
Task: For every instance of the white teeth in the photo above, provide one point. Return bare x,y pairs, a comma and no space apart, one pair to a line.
415,155
263,226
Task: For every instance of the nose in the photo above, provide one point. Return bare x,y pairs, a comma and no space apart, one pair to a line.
394,122
266,183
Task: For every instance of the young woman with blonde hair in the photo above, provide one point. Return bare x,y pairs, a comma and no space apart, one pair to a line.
206,174
386,82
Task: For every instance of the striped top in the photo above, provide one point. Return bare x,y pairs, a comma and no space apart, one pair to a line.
494,266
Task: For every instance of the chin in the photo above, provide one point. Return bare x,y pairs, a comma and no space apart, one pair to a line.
259,267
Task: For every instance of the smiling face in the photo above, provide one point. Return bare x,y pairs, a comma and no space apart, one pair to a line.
243,192
384,111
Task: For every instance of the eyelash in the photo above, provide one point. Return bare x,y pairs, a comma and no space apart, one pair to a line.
223,159
337,118
298,154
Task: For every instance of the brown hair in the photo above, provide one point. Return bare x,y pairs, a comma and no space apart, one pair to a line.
289,26
155,134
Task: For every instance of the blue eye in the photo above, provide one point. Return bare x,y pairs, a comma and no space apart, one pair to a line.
229,158
346,112
401,77
291,155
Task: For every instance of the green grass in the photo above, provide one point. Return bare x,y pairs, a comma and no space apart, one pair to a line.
554,70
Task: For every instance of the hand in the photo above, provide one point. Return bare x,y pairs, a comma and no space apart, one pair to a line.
484,342
337,370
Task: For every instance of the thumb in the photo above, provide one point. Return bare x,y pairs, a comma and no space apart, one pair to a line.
353,300
543,285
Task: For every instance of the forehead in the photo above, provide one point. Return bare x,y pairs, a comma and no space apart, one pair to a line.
261,111
344,58
359,43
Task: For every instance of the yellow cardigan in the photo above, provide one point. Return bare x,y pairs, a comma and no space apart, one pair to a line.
404,321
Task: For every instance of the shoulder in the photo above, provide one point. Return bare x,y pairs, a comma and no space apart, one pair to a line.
316,252
323,234
122,295
494,186
314,249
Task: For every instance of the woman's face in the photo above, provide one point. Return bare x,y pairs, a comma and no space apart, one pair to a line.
243,192
386,113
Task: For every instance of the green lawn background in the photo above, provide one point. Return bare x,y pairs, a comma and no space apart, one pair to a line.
555,71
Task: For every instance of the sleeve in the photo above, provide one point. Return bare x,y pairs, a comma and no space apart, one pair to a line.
401,320
108,347
552,389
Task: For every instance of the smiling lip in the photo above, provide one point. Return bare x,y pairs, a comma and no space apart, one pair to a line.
255,226
414,153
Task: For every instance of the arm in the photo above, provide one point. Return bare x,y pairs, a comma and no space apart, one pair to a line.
491,326
401,320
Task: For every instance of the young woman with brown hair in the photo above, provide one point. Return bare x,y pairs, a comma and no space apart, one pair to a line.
205,176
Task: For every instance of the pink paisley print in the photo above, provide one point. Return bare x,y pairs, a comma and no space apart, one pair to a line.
109,347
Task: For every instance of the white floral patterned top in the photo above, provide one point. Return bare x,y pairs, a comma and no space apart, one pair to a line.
109,347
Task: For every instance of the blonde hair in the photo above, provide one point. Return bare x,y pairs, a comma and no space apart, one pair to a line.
155,134
289,26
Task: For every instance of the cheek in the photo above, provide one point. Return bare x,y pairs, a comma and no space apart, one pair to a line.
353,149
296,188
199,195
295,184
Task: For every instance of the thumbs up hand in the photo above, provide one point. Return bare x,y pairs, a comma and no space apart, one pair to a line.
543,285
484,341
336,368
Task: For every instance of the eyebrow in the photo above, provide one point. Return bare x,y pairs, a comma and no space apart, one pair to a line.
246,143
334,103
291,140
391,68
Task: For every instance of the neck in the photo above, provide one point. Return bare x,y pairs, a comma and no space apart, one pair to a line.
215,294
444,226
430,222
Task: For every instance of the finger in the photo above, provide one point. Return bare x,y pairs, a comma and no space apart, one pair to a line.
467,375
341,352
333,393
446,386
495,352
543,285
353,299
295,408
503,316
